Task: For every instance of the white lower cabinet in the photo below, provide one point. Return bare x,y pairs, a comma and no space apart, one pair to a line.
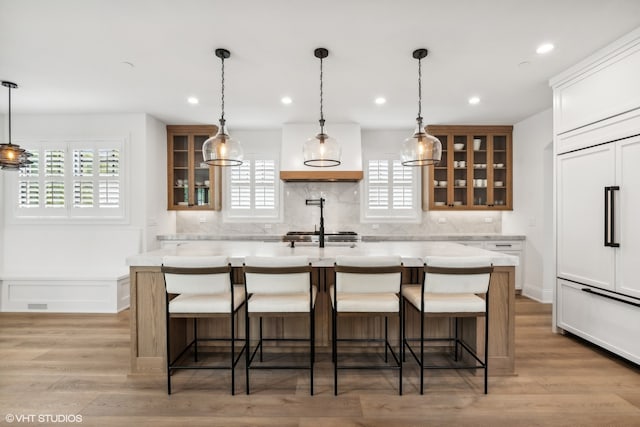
606,319
509,247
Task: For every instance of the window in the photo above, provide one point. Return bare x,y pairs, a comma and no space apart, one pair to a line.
72,180
390,191
252,190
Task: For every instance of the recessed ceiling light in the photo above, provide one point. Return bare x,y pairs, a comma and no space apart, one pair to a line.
380,100
474,100
286,100
192,100
544,48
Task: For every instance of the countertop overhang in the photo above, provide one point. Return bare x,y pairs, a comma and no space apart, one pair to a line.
412,253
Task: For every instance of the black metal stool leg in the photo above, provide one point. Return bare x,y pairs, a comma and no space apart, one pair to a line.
246,349
486,346
168,352
261,339
333,336
195,338
455,343
335,353
400,333
422,352
233,355
386,340
403,337
312,348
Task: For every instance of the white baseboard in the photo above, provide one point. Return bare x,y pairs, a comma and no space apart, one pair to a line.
65,295
537,293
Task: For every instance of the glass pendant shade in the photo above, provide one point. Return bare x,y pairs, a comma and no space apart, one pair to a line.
421,149
12,157
321,151
222,150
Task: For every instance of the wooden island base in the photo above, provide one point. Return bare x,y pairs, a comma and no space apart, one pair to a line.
148,342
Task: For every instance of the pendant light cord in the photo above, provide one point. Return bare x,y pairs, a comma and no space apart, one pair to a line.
321,94
420,89
222,97
9,115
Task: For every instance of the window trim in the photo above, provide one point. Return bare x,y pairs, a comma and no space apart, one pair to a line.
235,216
70,215
414,215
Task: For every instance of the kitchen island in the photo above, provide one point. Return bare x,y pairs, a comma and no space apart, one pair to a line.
148,342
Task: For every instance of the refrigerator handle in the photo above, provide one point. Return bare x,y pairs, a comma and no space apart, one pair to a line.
607,191
612,222
591,291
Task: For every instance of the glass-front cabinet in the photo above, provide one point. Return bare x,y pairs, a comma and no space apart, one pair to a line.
191,183
475,172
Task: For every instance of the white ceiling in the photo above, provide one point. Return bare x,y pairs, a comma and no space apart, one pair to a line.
68,57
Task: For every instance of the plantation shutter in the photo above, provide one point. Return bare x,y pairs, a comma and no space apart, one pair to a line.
240,190
402,187
81,179
109,182
265,184
390,191
378,194
29,182
54,178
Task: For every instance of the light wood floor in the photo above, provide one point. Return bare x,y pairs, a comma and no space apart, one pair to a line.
77,364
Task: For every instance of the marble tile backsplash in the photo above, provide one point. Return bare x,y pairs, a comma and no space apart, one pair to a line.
342,213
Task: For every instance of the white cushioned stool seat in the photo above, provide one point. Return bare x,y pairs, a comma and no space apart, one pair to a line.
366,302
207,303
444,303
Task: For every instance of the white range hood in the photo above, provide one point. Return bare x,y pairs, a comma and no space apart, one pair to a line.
294,135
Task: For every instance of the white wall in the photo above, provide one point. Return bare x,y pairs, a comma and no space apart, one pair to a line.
532,200
158,219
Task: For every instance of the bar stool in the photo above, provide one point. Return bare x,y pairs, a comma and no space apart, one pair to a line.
367,286
453,287
202,288
279,287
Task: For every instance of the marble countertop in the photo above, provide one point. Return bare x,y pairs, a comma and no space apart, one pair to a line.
411,252
443,237
364,238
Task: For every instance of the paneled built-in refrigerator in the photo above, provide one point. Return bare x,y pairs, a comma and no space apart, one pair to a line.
598,244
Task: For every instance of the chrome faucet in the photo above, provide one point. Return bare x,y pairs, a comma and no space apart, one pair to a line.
318,202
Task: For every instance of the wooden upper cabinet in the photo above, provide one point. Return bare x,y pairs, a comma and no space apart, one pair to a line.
475,172
191,183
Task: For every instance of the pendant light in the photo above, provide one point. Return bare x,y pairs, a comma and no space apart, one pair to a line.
221,149
421,149
321,151
12,157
